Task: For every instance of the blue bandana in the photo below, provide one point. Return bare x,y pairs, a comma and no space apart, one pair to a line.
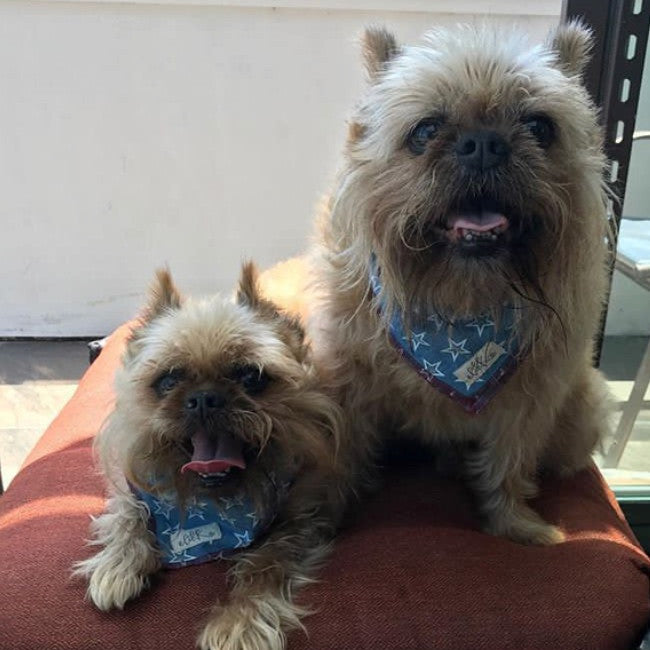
210,528
467,360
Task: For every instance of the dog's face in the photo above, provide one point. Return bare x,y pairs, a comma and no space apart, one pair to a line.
474,162
215,394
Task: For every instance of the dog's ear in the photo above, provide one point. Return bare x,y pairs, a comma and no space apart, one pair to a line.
573,42
250,295
378,47
248,290
163,296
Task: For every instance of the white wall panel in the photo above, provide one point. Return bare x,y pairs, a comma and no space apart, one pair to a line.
194,134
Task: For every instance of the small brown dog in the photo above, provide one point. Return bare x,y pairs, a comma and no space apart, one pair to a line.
220,438
462,261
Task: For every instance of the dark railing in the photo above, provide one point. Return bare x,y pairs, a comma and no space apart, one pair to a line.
613,78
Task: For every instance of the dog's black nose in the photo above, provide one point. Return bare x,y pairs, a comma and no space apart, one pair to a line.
481,150
204,402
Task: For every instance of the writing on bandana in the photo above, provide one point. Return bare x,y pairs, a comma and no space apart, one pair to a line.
207,529
467,360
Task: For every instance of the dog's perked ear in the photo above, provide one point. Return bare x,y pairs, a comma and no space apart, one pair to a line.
248,290
163,296
572,42
250,295
378,47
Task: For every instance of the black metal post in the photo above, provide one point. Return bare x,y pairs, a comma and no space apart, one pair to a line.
614,81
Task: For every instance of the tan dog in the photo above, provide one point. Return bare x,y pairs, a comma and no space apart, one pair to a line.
218,406
472,196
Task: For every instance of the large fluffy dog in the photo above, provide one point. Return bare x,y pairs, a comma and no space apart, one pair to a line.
462,261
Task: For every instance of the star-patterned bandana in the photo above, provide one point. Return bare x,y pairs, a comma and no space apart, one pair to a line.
208,529
467,360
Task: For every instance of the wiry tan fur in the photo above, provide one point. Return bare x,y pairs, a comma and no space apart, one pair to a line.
552,411
292,426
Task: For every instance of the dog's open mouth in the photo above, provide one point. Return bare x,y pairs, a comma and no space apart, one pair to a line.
214,457
477,226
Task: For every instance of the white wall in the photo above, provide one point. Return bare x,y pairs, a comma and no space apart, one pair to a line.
196,134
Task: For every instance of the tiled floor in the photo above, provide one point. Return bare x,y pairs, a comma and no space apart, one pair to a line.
37,378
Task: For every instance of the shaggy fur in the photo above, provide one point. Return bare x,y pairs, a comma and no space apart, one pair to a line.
394,203
290,426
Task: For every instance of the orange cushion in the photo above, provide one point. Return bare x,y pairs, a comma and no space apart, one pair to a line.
413,571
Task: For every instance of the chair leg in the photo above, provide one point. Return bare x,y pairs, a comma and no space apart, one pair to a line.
630,412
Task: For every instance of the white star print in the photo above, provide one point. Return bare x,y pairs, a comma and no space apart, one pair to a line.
163,507
242,539
417,340
255,519
238,500
170,530
196,511
433,368
469,384
227,503
456,348
481,323
225,517
182,557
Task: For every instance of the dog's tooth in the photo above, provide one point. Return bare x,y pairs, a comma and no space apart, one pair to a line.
469,237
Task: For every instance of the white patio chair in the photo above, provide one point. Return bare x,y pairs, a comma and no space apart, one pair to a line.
633,260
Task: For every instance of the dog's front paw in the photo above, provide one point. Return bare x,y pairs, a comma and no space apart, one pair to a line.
243,626
112,582
527,530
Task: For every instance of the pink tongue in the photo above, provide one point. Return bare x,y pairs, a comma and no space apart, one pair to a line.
478,221
210,456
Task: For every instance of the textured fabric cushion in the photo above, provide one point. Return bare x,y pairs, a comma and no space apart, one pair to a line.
412,572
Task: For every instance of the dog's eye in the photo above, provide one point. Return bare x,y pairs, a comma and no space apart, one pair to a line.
252,379
541,129
422,134
167,382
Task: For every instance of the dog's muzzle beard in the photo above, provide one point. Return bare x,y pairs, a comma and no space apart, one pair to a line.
478,223
478,218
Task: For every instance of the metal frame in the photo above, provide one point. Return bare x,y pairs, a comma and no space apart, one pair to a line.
613,78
